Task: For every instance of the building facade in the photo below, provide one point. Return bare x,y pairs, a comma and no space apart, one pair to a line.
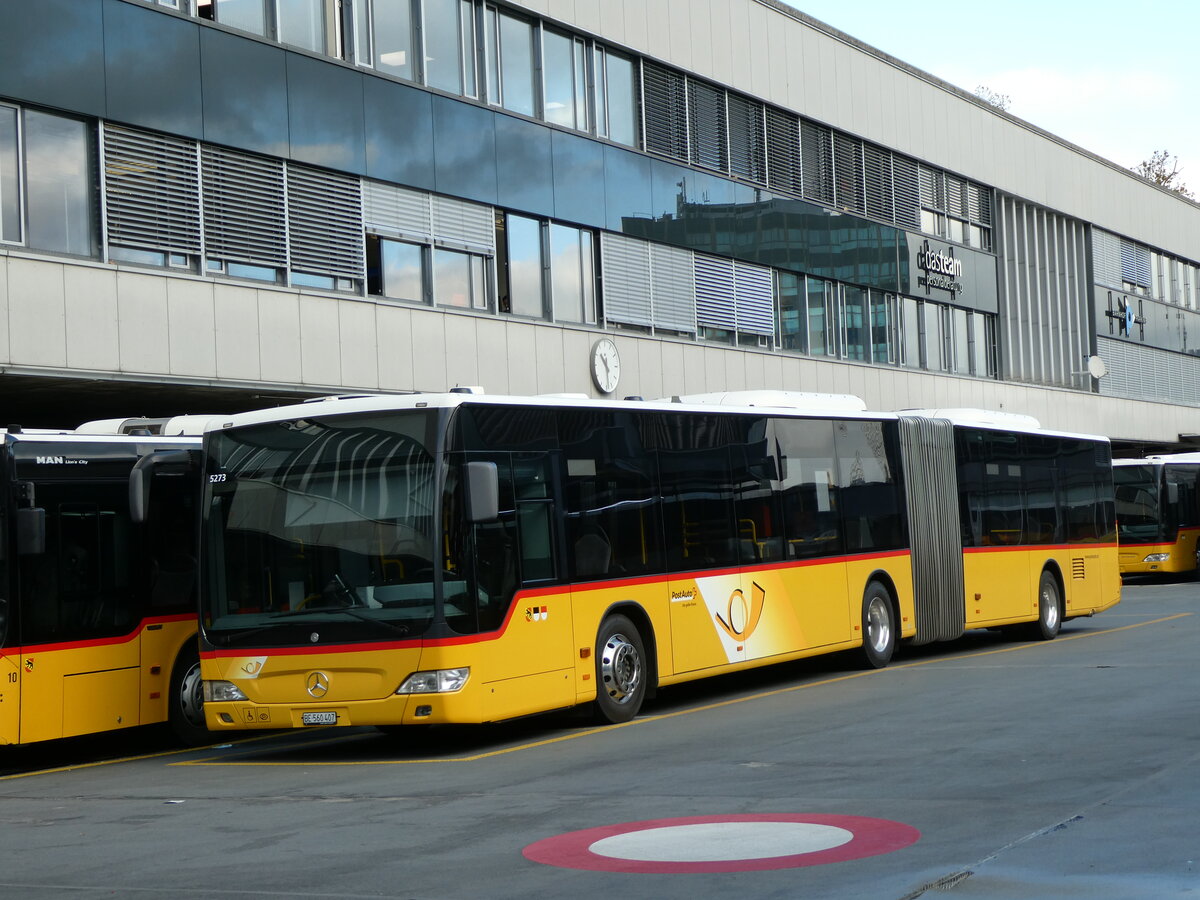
237,201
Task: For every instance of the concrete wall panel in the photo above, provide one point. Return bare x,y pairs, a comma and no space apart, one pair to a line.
92,329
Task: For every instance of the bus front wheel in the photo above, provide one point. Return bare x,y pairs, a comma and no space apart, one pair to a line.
185,712
878,627
1049,619
620,670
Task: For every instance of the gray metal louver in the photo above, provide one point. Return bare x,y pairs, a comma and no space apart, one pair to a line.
664,112
754,299
396,211
151,190
956,197
325,233
848,172
905,184
931,485
707,126
1135,263
747,154
245,216
715,287
933,189
816,153
877,169
625,267
472,225
1106,258
783,151
672,288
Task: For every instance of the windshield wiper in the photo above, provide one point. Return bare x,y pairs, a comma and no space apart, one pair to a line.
348,610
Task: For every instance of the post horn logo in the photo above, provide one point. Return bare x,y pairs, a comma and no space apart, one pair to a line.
741,618
318,685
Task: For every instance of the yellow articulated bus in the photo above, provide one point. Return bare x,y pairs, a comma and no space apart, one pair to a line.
462,558
98,604
1158,513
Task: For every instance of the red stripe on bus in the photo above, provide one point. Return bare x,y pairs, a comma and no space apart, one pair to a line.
1036,547
533,594
96,642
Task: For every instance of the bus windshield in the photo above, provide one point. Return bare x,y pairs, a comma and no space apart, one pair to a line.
1140,513
321,530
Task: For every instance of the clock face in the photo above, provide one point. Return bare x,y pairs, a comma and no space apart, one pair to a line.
606,365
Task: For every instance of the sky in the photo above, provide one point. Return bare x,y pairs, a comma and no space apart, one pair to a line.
1117,79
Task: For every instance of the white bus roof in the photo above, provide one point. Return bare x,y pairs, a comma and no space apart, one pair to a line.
822,405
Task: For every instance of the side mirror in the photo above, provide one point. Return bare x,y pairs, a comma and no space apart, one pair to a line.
31,531
143,473
481,485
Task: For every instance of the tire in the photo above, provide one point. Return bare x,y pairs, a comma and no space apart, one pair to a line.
185,706
621,672
1050,614
878,627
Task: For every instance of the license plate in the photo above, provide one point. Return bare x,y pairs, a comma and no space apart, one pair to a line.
318,718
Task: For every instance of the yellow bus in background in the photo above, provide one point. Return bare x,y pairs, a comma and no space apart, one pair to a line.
426,559
1158,513
98,575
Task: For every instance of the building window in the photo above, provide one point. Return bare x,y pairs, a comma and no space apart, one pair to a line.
58,184
820,341
616,97
564,80
789,298
572,274
884,338
459,280
854,323
447,47
383,36
396,270
521,288
244,15
302,24
10,177
510,62
910,333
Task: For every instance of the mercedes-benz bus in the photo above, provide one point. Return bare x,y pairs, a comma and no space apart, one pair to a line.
437,558
1158,513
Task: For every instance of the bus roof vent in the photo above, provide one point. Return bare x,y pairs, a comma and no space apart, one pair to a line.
122,426
467,389
803,400
967,416
188,426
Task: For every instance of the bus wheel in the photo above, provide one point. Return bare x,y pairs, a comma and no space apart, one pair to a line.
878,627
620,670
1049,619
186,703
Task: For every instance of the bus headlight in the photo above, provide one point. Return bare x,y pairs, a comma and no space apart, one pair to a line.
440,681
221,691
1157,557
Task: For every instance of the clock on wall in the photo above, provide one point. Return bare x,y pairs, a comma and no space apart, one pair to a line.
606,365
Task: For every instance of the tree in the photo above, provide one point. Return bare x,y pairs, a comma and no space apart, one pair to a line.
1163,169
998,100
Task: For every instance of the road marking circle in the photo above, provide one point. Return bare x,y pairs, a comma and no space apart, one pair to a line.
728,843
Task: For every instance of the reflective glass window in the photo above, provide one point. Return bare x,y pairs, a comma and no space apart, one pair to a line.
820,342
525,284
883,312
392,34
466,9
516,65
854,320
572,276
622,99
458,280
58,184
910,330
564,78
791,315
403,271
302,24
808,480
245,15
867,488
443,62
962,360
10,201
931,335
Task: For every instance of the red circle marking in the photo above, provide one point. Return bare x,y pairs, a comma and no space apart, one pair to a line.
871,837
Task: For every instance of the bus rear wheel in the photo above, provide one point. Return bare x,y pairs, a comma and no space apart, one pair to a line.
185,712
1049,619
620,670
878,627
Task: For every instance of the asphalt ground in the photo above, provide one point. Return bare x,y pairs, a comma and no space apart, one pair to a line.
985,768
